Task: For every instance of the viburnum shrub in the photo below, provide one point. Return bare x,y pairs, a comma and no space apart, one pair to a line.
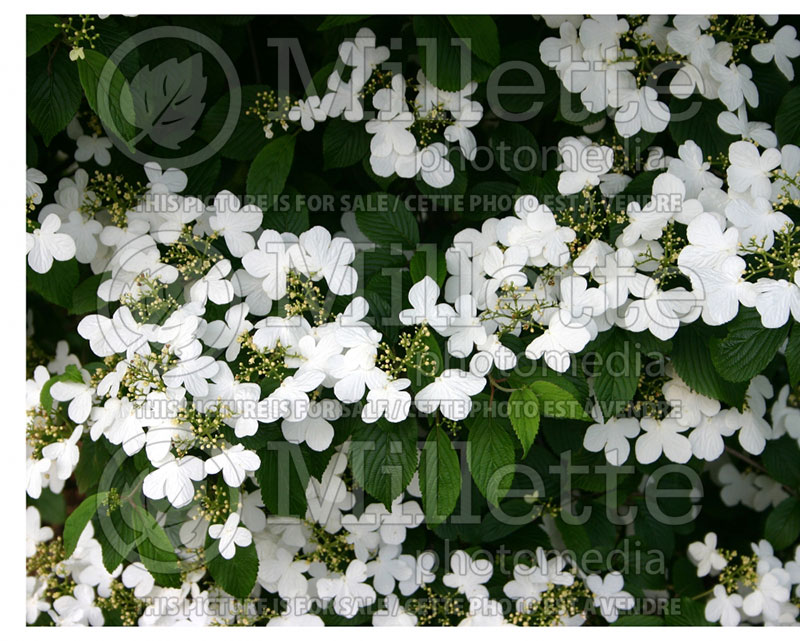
413,321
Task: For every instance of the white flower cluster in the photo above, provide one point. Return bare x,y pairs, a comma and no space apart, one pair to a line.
595,57
394,148
753,590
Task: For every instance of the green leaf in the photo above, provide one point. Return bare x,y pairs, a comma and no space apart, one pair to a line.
523,410
748,348
283,478
780,459
557,401
76,522
58,284
39,31
690,613
445,64
236,576
344,144
156,551
383,457
384,219
52,507
53,93
696,119
116,536
787,120
270,169
84,297
247,137
692,360
490,456
515,150
617,374
100,77
439,476
480,35
638,620
782,528
331,22
793,355
428,262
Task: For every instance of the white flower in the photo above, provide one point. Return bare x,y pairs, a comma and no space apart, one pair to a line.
308,112
34,532
492,352
433,166
290,400
468,575
615,273
775,299
282,574
80,396
235,222
270,263
724,607
535,228
136,577
735,85
35,603
348,591
395,523
691,406
749,170
46,244
362,54
602,31
315,429
756,221
612,437
424,309
450,392
464,328
93,147
317,255
705,556
662,436
738,125
234,463
609,595
213,286
783,46
230,535
78,609
387,568
460,132
34,178
120,333
771,591
225,333
640,109
387,398
736,487
64,454
192,374
557,342
659,311
583,162
173,478
693,169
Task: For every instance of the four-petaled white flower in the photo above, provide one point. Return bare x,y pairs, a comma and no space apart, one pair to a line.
230,535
